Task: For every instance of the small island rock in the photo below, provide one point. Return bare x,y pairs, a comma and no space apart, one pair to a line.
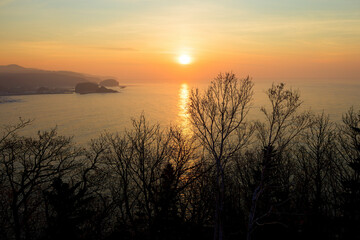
109,83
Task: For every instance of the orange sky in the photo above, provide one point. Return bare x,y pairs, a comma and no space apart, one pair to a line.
140,41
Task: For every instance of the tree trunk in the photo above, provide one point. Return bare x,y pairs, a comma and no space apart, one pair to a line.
15,212
219,210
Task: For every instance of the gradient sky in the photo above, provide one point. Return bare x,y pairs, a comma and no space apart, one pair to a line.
136,40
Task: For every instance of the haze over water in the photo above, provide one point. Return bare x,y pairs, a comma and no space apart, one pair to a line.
87,116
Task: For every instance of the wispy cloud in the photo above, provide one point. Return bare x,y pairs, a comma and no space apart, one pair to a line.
121,49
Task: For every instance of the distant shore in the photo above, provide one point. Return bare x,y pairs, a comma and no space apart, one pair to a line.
67,91
42,91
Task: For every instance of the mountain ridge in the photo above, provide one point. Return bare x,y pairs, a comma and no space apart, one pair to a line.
14,77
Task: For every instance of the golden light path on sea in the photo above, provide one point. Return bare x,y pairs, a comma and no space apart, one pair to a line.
183,108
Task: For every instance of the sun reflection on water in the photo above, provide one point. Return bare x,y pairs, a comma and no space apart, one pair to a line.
183,108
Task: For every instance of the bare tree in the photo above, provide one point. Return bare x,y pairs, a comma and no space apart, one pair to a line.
218,118
349,149
316,153
118,165
349,140
75,203
151,147
138,163
11,130
282,125
317,175
187,166
29,166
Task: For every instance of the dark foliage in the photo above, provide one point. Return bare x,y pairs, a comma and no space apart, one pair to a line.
69,209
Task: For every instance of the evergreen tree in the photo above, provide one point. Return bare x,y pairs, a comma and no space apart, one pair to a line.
70,207
351,194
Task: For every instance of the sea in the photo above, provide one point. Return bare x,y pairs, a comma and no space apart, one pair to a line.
87,116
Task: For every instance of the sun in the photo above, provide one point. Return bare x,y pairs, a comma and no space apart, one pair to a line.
184,59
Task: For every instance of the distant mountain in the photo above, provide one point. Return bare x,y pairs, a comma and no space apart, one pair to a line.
17,79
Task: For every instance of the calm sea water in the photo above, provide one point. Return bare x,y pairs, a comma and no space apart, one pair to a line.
87,116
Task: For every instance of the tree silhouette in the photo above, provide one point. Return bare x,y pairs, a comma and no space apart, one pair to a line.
167,221
350,140
218,117
29,164
70,209
282,125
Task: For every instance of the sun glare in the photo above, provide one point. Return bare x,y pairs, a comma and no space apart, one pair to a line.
184,59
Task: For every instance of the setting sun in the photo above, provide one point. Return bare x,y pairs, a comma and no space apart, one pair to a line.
184,59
